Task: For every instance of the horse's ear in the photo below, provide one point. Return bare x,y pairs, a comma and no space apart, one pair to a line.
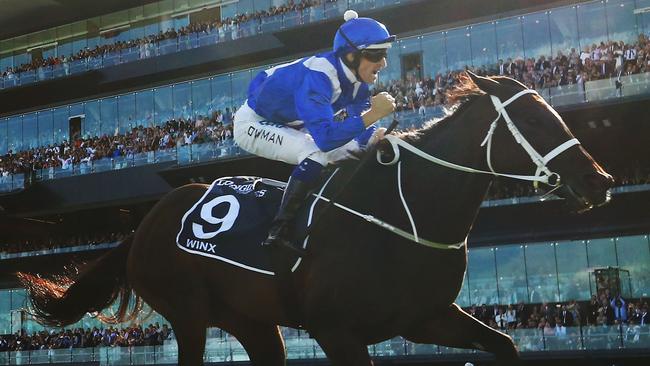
487,85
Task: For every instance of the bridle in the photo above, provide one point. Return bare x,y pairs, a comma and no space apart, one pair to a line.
395,142
542,174
547,176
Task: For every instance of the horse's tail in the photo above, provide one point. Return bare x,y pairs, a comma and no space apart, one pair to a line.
64,299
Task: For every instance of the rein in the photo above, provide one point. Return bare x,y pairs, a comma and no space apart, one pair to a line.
539,160
395,142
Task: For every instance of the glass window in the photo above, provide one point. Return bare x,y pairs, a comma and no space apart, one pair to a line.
163,105
537,35
240,81
90,124
509,38
541,272
459,52
228,11
151,29
510,267
144,108
6,62
79,44
45,128
634,256
591,23
138,31
182,21
643,19
108,109
3,136
393,70
563,23
23,58
60,124
76,110
5,312
182,100
30,131
260,5
201,98
481,274
126,112
573,270
65,49
15,133
434,54
412,47
244,6
601,253
19,299
463,297
621,21
484,43
221,92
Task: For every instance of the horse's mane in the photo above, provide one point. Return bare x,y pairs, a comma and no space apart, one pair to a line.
458,98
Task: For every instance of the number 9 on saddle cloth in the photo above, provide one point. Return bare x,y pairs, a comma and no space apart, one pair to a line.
231,219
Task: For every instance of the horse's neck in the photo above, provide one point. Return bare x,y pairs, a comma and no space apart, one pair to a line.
444,202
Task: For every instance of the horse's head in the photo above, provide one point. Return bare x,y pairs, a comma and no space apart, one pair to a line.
545,144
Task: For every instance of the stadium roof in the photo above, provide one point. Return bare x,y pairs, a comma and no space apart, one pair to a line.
19,17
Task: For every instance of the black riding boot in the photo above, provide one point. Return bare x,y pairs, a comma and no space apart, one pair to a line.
292,200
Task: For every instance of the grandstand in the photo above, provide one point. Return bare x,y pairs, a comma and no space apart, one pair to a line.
105,108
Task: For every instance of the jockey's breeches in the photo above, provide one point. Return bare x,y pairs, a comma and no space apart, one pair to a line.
279,142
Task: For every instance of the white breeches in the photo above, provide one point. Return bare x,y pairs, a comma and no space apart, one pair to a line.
278,142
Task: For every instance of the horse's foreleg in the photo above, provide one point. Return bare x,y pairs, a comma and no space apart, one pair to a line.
262,342
455,328
342,349
190,335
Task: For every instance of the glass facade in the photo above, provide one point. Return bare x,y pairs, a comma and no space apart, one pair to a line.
224,349
503,274
553,271
149,20
544,33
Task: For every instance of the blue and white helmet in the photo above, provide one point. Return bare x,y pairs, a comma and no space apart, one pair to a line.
360,33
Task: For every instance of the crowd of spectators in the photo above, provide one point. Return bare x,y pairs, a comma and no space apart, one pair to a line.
599,61
556,325
599,311
549,325
140,139
152,335
227,29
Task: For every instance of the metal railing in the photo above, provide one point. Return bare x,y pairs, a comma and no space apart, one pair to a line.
192,40
300,346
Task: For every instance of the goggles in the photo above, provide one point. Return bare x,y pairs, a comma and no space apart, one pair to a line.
374,54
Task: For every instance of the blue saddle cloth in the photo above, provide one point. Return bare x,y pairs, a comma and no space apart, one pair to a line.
232,219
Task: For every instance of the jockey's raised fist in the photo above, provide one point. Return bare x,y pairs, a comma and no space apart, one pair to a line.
382,104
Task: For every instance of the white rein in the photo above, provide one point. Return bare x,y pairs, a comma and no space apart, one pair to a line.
539,160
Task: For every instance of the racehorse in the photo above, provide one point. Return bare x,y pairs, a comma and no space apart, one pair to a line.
372,281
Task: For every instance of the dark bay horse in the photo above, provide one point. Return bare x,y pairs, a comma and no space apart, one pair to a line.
359,284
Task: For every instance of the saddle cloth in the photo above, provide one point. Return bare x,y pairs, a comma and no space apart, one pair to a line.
233,217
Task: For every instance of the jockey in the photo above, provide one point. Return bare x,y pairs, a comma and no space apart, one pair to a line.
291,111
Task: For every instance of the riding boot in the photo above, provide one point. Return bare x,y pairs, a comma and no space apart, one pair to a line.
292,200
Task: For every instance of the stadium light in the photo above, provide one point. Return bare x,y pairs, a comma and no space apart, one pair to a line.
114,28
45,45
202,7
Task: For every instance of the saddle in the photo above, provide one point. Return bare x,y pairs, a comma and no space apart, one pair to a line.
233,217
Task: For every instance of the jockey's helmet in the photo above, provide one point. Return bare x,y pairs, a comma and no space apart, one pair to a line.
358,34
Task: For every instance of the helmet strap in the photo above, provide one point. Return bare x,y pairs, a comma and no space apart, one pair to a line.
354,63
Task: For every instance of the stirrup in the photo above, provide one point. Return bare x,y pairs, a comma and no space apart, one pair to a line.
280,243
